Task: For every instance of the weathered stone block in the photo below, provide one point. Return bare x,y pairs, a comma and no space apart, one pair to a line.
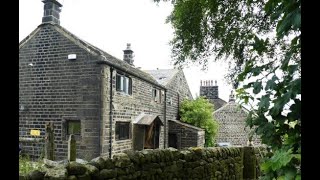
56,174
98,162
36,175
92,170
75,168
121,160
107,173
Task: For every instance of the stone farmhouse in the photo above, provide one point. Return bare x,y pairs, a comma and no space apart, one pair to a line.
230,116
181,135
108,104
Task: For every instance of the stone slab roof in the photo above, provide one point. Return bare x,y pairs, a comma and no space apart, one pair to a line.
103,56
187,125
232,106
218,103
147,119
163,76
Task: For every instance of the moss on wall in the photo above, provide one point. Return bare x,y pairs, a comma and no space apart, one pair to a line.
192,163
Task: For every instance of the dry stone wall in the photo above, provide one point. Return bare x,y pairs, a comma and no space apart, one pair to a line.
193,163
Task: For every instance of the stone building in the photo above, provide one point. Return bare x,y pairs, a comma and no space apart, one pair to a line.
181,135
230,116
107,103
211,92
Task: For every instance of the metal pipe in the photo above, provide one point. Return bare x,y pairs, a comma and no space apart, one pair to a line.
100,110
110,114
165,119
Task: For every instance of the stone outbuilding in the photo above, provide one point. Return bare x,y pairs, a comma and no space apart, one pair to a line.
181,135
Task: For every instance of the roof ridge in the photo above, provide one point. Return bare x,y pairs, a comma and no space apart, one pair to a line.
106,57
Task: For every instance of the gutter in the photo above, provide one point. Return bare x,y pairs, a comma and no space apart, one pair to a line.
110,114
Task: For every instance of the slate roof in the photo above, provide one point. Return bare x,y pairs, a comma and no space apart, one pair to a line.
147,119
103,56
218,103
163,76
186,124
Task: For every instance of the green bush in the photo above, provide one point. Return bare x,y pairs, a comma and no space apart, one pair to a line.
198,112
26,165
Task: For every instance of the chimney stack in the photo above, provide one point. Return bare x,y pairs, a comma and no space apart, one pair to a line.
208,89
232,97
51,12
128,55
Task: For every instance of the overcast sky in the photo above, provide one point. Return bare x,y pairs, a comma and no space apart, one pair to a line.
111,24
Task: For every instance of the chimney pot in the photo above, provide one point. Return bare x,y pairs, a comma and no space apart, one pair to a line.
231,97
52,9
128,55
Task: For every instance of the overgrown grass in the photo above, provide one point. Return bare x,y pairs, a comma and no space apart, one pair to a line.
26,165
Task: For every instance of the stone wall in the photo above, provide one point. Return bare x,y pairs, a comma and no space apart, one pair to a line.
178,90
125,108
53,88
186,135
193,163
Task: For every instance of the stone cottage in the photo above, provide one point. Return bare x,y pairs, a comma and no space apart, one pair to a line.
181,135
230,116
107,103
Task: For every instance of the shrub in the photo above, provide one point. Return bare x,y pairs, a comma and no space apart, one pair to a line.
198,112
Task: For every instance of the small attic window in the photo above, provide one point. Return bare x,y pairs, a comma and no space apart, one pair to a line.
162,78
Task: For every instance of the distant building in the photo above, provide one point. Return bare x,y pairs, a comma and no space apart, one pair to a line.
230,116
211,92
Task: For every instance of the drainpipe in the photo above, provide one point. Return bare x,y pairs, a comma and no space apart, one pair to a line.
165,119
110,114
100,110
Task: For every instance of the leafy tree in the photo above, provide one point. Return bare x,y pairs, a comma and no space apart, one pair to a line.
198,112
261,41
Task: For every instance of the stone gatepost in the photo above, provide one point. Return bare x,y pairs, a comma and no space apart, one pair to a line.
49,141
249,163
72,151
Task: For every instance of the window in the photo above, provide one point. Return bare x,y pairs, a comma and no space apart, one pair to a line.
123,130
156,95
123,84
73,127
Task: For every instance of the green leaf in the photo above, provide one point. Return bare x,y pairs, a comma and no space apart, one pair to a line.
256,71
297,20
271,83
289,174
264,103
292,68
295,87
279,104
280,158
257,86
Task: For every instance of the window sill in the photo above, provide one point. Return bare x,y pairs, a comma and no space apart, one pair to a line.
123,94
122,140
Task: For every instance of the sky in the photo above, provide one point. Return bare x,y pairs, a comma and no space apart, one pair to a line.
111,24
